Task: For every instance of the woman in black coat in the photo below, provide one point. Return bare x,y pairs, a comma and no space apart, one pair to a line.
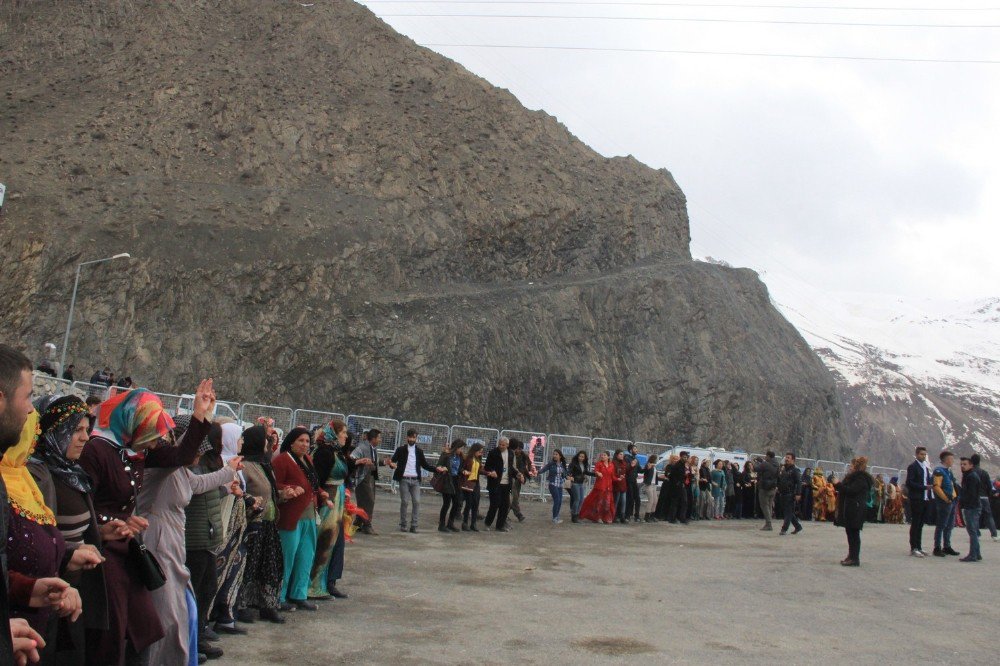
451,492
852,505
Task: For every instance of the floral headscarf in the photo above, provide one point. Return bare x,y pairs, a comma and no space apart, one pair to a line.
23,495
59,420
132,419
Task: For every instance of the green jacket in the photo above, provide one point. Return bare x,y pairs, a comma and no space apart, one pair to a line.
203,527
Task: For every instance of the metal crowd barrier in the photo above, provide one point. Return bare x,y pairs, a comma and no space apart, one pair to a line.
93,390
537,449
283,422
309,419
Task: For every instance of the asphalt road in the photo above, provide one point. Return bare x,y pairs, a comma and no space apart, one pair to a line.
720,593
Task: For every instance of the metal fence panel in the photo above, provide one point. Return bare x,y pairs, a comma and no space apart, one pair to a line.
475,435
832,467
359,425
92,390
171,402
886,472
535,447
249,413
223,408
308,418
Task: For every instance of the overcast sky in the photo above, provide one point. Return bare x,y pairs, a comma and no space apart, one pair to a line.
852,175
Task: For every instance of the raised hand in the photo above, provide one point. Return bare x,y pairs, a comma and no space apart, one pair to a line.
204,400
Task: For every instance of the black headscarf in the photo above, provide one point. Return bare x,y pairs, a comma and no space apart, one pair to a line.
305,464
60,416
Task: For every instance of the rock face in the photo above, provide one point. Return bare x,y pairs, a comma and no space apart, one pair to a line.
325,215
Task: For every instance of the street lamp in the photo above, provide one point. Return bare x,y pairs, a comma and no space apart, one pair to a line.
72,303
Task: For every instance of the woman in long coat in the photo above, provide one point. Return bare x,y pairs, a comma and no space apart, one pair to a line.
852,507
124,443
165,493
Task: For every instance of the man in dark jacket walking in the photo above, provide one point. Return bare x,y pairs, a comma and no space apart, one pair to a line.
985,491
767,485
789,487
500,474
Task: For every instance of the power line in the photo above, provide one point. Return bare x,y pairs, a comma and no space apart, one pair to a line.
683,4
716,53
692,20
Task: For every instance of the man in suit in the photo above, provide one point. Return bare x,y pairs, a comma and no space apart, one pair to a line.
918,488
500,475
408,461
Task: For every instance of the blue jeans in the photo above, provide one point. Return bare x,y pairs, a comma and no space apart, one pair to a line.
971,518
984,509
620,506
944,523
575,498
557,497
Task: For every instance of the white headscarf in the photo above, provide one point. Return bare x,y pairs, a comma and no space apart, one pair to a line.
231,433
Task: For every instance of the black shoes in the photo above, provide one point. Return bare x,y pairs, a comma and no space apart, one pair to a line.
303,605
520,517
286,607
210,651
246,616
271,615
948,550
207,634
337,594
938,552
231,630
465,527
797,530
473,528
413,529
848,562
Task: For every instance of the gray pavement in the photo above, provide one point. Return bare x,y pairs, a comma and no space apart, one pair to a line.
711,592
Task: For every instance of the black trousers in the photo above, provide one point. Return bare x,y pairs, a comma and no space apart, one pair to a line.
788,510
918,514
470,514
632,499
201,564
678,504
499,506
853,544
451,506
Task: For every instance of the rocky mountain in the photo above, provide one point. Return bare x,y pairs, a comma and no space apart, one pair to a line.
909,371
323,214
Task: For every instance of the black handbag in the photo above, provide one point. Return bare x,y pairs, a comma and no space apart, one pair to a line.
144,565
438,481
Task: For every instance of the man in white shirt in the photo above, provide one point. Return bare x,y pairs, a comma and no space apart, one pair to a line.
408,460
918,487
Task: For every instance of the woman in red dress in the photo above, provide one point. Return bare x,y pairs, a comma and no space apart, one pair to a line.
599,506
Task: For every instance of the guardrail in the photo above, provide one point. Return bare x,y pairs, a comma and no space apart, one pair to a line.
434,437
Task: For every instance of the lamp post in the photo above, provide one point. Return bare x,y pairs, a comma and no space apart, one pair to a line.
72,303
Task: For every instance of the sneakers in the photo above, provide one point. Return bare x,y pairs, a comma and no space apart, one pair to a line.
996,539
917,553
505,528
556,521
782,532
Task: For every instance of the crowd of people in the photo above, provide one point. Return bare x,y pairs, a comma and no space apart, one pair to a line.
131,537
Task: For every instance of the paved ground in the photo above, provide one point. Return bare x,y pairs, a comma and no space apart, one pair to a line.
717,593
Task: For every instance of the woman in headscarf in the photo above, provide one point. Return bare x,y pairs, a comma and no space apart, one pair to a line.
333,467
300,492
894,503
819,491
165,493
263,569
36,548
65,428
123,444
237,510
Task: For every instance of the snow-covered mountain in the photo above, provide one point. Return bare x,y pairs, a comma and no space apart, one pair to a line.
910,371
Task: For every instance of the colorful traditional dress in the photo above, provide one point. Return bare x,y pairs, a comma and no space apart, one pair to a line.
819,492
599,505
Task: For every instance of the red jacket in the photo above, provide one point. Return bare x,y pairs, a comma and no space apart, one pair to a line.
621,470
288,474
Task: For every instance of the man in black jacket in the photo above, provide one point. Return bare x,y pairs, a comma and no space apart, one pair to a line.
632,499
971,508
500,475
675,487
767,485
789,485
985,491
408,461
918,486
